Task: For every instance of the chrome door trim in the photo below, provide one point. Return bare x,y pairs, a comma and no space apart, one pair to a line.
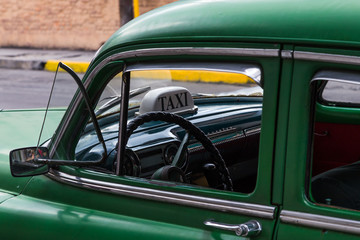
147,52
320,221
326,57
287,54
215,204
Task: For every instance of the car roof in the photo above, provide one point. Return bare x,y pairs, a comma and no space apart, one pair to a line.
315,22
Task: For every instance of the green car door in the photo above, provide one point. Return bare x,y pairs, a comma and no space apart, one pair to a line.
93,202
320,192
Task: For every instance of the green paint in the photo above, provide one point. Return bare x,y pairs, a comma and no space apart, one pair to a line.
47,207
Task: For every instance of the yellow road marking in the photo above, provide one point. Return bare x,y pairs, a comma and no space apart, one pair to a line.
79,67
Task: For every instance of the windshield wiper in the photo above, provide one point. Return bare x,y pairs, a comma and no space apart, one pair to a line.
115,100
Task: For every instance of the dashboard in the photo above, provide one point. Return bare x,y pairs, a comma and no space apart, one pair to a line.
234,130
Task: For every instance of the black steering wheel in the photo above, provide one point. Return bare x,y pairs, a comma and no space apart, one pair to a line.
173,172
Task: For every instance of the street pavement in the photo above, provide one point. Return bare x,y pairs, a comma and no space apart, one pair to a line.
39,59
28,89
26,76
25,80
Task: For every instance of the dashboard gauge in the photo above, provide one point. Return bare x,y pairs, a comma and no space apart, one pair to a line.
170,152
131,164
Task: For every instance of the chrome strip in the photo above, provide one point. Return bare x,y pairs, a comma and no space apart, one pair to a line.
319,221
244,52
221,132
337,76
252,131
325,57
231,139
253,210
287,54
252,71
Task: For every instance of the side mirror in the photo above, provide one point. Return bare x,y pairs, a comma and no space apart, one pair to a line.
25,161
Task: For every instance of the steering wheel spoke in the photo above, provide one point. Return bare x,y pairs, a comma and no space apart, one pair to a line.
180,156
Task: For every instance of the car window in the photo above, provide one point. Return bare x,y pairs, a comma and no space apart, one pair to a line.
335,153
341,94
226,106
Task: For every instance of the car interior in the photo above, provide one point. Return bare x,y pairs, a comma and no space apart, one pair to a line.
336,152
230,122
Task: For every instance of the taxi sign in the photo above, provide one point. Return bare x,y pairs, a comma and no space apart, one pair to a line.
168,99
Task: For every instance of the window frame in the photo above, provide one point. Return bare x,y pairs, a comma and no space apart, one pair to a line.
267,57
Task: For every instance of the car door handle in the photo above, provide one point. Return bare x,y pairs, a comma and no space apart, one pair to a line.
248,229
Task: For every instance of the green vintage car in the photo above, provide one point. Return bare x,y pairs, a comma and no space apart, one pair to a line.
198,120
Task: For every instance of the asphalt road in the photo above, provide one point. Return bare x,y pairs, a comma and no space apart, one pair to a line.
23,89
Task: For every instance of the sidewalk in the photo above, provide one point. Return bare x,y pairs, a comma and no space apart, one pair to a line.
38,59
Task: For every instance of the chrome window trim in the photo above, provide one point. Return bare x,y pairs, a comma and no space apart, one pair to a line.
148,52
326,57
320,221
254,210
337,76
252,71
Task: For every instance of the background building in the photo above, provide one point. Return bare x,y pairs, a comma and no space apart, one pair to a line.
68,24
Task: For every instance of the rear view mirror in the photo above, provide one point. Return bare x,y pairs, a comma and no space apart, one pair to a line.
24,161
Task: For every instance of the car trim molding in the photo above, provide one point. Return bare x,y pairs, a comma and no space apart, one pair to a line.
325,57
254,210
320,221
252,131
287,54
213,136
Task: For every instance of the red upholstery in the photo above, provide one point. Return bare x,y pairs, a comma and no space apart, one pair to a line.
340,146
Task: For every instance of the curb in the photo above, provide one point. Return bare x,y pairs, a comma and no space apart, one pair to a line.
22,64
78,67
50,65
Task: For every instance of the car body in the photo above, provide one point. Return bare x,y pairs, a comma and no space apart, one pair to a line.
127,162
